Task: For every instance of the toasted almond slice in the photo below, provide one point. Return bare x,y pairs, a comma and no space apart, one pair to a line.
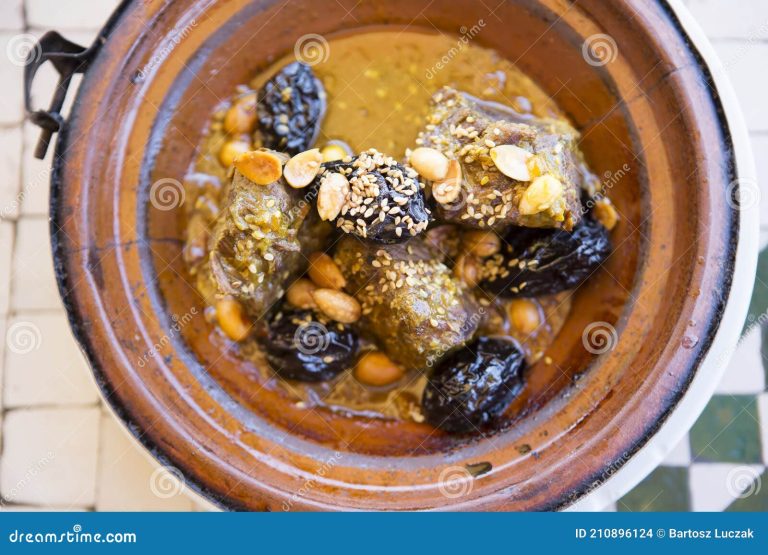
431,164
334,189
447,190
542,194
512,161
302,169
260,166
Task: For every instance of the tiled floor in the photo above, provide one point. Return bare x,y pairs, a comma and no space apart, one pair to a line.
62,449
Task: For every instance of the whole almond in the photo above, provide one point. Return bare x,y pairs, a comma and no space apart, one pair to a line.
232,319
377,369
334,189
337,306
467,269
324,272
299,293
303,168
241,116
430,163
481,243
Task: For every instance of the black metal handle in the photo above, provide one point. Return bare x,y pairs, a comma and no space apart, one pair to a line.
68,59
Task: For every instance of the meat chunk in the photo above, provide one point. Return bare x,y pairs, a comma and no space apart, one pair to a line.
411,303
260,240
535,184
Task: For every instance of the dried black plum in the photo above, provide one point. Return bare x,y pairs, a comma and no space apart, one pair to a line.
290,109
302,345
386,203
544,261
472,387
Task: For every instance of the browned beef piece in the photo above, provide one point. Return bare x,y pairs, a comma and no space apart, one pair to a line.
411,303
260,241
466,129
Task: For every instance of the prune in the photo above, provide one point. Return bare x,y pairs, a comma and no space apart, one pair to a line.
302,345
544,261
473,386
386,203
290,109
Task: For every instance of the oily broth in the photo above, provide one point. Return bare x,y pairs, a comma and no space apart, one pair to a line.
379,84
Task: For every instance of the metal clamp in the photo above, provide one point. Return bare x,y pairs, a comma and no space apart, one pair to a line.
68,59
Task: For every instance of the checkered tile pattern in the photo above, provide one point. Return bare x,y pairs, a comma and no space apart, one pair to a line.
61,449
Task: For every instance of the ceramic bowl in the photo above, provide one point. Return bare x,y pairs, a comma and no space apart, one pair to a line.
653,126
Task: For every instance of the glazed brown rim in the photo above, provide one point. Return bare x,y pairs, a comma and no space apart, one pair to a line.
76,317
